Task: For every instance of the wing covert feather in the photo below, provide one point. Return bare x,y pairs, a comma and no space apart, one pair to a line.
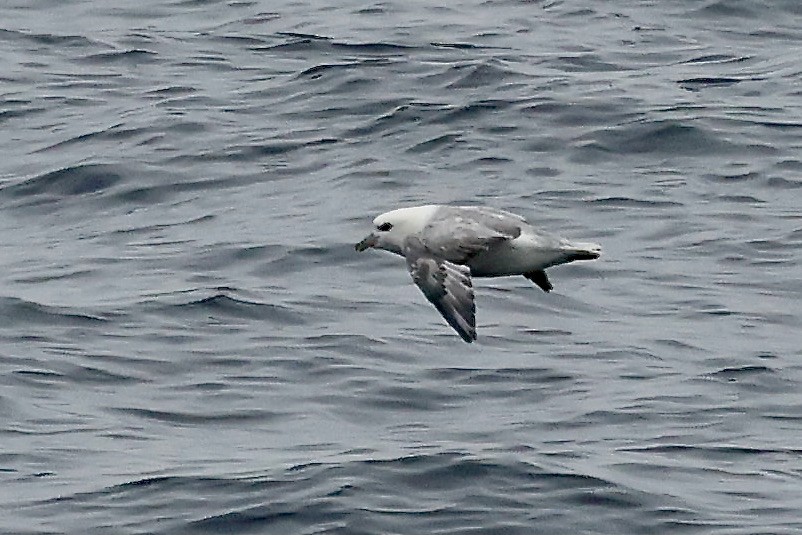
457,233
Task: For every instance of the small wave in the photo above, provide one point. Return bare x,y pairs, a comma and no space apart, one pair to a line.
132,56
75,375
784,183
731,178
26,112
399,118
717,58
755,378
233,418
727,452
171,185
112,133
731,374
222,305
73,181
49,39
584,63
54,273
470,112
318,71
173,90
724,8
440,142
15,311
461,46
319,43
659,137
485,74
695,84
514,376
630,202
298,259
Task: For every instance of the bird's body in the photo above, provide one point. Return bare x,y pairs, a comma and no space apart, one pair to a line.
531,251
445,245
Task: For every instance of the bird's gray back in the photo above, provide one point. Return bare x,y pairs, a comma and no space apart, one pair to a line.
456,233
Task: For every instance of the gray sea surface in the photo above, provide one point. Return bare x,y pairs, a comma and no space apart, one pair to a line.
190,344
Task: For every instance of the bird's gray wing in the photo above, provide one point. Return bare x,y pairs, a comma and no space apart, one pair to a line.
446,285
457,233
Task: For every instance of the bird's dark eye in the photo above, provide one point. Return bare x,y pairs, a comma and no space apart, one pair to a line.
384,227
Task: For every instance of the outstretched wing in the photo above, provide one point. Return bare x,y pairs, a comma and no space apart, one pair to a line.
457,233
446,285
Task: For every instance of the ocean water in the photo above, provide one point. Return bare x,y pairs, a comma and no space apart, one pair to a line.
190,344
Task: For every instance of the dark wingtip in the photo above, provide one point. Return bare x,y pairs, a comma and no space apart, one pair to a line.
468,337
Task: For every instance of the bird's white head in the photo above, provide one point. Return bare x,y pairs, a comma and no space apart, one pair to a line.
393,227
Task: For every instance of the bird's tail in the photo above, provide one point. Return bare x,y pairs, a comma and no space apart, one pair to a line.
581,251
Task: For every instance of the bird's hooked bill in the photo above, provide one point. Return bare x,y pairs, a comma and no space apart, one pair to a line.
369,241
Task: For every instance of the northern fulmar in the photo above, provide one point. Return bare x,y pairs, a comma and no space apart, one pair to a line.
445,245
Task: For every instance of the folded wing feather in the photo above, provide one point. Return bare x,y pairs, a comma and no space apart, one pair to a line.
458,233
